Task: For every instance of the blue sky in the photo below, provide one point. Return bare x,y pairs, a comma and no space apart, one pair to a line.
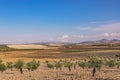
26,21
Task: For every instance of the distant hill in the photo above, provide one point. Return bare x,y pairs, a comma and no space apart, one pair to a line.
102,41
58,44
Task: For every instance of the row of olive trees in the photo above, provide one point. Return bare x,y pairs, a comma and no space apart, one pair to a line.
20,64
92,62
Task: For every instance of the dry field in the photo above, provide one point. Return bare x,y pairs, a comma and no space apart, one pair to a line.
43,53
44,73
30,46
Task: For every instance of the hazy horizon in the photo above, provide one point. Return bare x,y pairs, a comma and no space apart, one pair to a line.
31,21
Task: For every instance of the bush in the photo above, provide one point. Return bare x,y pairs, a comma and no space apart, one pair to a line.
2,67
95,62
83,64
111,63
10,65
49,65
68,65
58,65
19,65
32,65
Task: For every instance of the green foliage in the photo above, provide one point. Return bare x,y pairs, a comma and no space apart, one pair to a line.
95,62
58,65
5,48
110,63
118,63
32,65
19,64
49,65
68,65
83,64
118,56
10,65
2,67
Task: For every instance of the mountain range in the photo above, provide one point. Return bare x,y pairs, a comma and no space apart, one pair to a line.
102,41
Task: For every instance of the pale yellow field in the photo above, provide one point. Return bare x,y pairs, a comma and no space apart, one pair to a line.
30,46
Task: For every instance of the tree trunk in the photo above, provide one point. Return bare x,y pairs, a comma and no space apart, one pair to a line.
74,66
94,71
69,68
21,70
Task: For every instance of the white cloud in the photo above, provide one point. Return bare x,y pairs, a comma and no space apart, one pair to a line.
64,38
106,34
114,27
111,28
80,38
107,31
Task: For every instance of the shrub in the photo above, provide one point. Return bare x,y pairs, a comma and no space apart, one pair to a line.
110,63
19,65
32,65
95,63
82,64
10,65
58,65
49,65
118,63
68,65
2,67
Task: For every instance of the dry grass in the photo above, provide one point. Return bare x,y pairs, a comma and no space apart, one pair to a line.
30,46
43,73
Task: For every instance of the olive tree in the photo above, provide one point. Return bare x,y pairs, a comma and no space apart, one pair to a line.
68,65
10,65
2,66
58,65
110,63
118,63
50,65
82,64
95,63
19,65
32,65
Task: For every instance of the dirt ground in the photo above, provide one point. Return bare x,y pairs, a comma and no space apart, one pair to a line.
43,73
44,55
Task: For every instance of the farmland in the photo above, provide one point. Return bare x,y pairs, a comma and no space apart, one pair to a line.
71,54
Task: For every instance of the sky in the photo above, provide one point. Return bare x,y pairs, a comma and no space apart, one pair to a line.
29,21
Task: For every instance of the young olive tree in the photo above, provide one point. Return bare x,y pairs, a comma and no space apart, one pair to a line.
2,66
82,64
19,65
95,63
117,56
49,65
110,63
10,65
118,63
32,65
58,65
68,65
